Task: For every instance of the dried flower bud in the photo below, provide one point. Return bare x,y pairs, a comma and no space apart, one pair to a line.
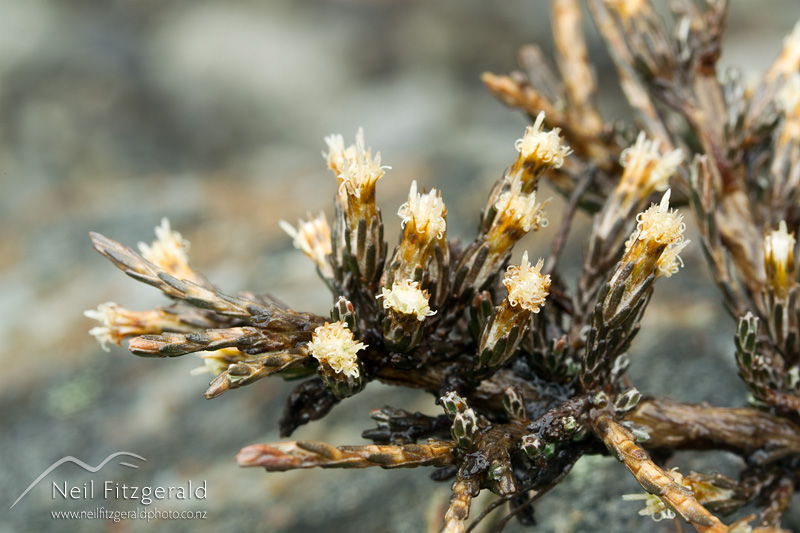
313,238
514,213
660,224
624,403
646,170
453,404
532,446
651,252
514,405
361,174
117,323
779,259
334,345
337,155
541,149
465,428
169,252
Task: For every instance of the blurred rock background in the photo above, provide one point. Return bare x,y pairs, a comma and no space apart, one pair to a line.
114,114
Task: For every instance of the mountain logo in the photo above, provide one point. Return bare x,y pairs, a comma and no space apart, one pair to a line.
88,468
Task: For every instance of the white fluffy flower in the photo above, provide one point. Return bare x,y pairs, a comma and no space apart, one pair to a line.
527,286
334,344
169,252
646,169
661,225
105,314
354,166
520,209
425,211
313,238
544,147
405,297
779,257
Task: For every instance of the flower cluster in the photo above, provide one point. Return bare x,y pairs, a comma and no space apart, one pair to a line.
530,366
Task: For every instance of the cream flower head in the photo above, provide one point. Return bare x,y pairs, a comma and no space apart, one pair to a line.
354,166
626,8
520,209
405,297
106,314
337,154
117,323
527,286
661,224
169,251
789,59
425,211
655,508
334,344
788,97
779,257
670,261
646,169
215,362
543,147
313,238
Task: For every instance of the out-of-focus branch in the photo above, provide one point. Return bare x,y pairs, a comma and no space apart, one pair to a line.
282,456
135,266
757,435
572,59
632,86
585,140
